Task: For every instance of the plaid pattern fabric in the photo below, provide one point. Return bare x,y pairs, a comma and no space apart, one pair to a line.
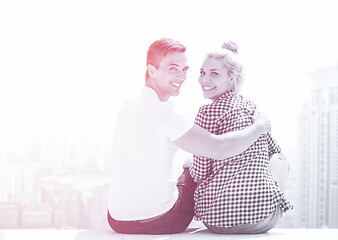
240,189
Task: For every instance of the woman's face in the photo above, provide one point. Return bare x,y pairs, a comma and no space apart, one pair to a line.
214,78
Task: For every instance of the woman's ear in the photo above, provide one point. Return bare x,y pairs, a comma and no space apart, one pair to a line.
151,70
233,83
233,77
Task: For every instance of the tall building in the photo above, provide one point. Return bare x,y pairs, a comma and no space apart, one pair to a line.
9,215
318,153
16,184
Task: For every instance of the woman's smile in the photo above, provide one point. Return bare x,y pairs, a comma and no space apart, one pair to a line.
206,88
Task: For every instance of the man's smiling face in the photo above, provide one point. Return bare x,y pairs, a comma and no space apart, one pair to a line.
170,75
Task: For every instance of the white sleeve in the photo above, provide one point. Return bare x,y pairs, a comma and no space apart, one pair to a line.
172,122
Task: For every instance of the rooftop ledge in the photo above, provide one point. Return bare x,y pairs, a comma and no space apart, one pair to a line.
190,233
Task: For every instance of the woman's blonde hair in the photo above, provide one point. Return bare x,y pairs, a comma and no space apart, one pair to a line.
228,54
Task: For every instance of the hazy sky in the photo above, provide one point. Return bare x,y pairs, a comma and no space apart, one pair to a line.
65,66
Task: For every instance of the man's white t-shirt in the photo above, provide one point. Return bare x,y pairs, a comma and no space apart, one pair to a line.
144,183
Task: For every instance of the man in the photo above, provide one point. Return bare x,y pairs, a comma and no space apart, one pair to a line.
144,197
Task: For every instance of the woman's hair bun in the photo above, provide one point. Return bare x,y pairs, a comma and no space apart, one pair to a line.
230,45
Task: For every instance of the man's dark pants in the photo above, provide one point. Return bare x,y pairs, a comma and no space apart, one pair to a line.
176,220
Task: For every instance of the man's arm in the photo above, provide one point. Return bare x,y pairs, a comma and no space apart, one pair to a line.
201,142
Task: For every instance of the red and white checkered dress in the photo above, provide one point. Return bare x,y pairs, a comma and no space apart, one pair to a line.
240,189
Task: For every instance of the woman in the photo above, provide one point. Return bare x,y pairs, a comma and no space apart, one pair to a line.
239,194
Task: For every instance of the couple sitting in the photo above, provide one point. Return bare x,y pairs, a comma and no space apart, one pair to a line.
231,184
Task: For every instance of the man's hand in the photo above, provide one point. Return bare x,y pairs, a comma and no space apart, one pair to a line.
262,121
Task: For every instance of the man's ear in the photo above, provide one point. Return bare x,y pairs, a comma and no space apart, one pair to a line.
151,70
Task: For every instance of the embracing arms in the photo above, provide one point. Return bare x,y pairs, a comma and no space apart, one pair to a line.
199,141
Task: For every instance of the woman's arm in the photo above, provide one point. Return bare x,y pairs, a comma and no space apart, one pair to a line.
201,168
201,142
272,145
